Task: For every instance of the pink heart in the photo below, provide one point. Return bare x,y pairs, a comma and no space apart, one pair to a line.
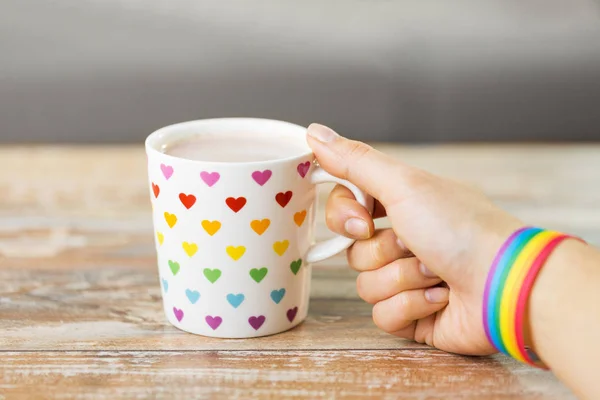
256,322
213,322
178,314
167,170
303,168
262,177
210,178
291,313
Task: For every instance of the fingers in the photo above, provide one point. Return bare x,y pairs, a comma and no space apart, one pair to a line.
379,175
402,310
420,331
346,217
398,276
379,250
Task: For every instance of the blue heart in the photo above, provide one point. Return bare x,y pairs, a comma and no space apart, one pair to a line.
192,295
277,295
235,299
165,285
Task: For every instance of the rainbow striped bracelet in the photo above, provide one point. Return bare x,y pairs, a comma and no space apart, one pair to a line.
509,284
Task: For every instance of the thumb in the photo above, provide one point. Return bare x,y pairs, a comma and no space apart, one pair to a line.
383,177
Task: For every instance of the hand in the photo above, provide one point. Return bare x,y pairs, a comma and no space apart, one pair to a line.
425,275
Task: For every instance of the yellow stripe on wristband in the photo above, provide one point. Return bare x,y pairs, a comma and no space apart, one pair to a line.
512,287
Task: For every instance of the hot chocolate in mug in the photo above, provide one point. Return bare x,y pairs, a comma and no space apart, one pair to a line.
234,204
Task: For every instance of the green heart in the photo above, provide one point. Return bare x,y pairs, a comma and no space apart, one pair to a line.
295,266
174,267
258,274
212,274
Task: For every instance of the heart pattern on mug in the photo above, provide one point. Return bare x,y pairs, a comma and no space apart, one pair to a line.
236,204
174,267
291,313
277,295
303,168
178,313
258,274
295,266
299,217
211,227
262,177
189,248
213,322
257,322
235,299
235,252
227,228
192,295
212,275
260,226
188,200
171,219
155,190
167,171
210,178
283,198
281,247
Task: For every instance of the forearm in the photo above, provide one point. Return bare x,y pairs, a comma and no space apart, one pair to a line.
564,317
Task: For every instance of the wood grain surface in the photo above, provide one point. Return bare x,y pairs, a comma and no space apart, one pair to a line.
80,312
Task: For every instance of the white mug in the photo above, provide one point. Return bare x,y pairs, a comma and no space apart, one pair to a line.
234,240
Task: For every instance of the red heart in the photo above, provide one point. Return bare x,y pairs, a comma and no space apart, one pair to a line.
155,189
283,198
236,204
188,200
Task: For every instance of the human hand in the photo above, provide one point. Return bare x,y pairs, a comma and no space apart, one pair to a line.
442,231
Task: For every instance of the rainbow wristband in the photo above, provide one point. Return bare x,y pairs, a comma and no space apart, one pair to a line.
509,284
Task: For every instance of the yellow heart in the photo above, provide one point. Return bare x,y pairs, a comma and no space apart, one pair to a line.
160,237
211,227
171,219
299,217
190,248
259,226
236,252
281,247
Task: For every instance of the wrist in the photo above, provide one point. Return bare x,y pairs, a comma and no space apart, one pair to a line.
509,286
551,299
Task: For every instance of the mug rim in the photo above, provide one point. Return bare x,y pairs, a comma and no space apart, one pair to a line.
159,137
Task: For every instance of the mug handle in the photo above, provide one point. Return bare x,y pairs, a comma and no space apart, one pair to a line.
330,247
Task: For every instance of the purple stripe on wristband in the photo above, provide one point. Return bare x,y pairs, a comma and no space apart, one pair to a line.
490,277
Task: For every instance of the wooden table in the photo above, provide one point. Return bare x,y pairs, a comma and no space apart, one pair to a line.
80,311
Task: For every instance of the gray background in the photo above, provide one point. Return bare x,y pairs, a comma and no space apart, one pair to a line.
115,70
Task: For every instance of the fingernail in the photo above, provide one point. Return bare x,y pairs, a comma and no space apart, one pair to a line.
357,228
437,295
426,271
321,133
401,244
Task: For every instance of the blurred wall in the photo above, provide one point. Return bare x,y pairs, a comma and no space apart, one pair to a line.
115,70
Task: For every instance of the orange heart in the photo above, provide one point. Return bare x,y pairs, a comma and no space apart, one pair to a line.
171,219
299,217
211,227
281,247
260,226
